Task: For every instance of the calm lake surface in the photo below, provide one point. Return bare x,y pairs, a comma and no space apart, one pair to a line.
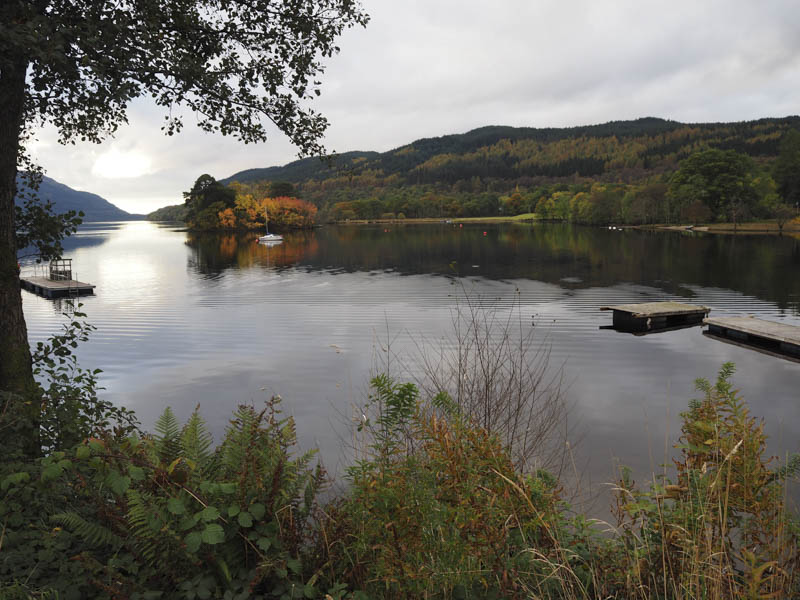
186,320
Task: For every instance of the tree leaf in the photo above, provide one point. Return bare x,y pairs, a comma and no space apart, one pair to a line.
118,483
188,522
245,520
264,543
193,541
51,472
213,534
227,488
295,566
209,513
257,510
175,506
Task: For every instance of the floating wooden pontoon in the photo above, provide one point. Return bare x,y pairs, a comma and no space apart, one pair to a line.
58,283
767,336
652,316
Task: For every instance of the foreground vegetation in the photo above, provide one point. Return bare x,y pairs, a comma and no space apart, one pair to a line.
442,501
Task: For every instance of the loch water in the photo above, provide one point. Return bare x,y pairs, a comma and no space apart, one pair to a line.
213,320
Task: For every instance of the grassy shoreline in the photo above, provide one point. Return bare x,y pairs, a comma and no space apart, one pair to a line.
769,226
455,220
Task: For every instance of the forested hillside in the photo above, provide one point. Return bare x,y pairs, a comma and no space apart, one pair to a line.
620,171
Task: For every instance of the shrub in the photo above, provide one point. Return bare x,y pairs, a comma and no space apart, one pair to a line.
188,522
437,508
165,516
720,530
71,410
499,374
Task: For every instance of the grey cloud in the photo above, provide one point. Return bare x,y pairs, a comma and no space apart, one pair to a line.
426,68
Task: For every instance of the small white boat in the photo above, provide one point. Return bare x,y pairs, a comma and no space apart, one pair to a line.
269,238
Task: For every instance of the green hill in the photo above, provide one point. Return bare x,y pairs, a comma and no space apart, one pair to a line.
176,212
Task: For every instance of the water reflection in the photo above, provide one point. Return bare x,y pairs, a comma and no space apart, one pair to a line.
212,254
571,257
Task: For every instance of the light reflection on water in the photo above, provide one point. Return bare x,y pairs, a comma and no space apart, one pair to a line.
213,320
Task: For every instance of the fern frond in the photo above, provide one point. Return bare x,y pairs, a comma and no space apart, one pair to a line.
167,436
92,532
241,437
145,537
196,440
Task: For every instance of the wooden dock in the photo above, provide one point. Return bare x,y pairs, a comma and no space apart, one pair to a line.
653,316
767,336
50,288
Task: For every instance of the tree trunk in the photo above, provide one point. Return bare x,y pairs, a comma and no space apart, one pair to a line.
16,375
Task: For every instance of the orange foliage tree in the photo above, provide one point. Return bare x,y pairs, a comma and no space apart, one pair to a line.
290,213
284,212
227,219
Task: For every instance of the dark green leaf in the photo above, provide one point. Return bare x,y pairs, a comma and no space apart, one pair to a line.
213,534
193,541
209,513
295,566
245,520
175,506
257,510
264,543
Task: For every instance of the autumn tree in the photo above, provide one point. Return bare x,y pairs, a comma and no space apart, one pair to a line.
205,201
512,205
77,64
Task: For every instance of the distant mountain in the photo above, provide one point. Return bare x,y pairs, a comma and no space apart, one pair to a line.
94,207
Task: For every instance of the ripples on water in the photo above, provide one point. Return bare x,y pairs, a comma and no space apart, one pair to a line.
214,320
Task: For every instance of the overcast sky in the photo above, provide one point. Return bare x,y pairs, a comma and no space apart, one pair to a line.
426,68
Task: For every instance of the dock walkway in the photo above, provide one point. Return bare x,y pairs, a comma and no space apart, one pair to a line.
649,316
49,288
770,336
